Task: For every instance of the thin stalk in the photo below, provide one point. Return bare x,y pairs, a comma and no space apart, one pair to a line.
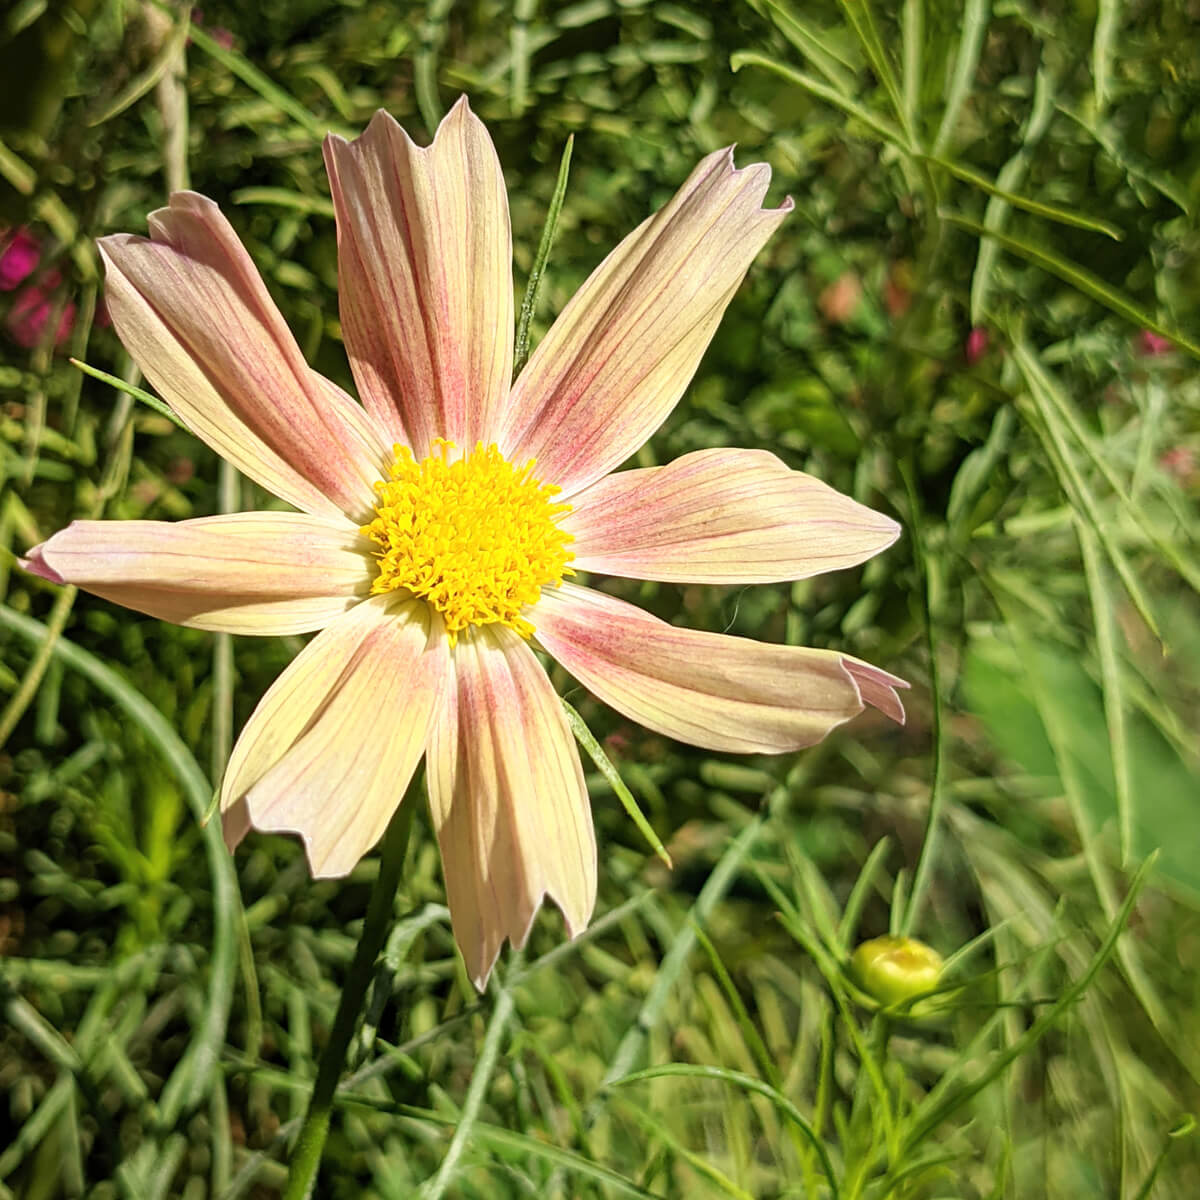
310,1143
937,791
481,1080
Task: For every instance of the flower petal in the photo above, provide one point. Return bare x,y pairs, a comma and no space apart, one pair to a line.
198,320
425,265
331,748
508,800
623,350
724,693
721,516
255,572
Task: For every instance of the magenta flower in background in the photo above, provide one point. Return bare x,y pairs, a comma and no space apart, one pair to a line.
33,310
441,522
976,345
1151,344
20,254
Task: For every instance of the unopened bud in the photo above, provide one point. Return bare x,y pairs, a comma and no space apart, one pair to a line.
892,970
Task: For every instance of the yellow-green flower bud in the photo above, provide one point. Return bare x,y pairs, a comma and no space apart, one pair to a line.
892,970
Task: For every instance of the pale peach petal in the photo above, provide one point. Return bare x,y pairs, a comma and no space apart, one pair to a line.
197,318
623,350
721,516
508,800
425,265
723,693
290,704
255,573
319,760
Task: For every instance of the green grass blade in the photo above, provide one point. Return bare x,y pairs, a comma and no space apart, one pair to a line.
884,128
912,37
975,17
747,1083
146,398
238,65
1078,277
1012,176
137,87
545,245
604,764
1104,619
1050,211
937,1107
198,1067
481,1080
1108,14
812,43
858,13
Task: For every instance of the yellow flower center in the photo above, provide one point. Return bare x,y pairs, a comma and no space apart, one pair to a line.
476,537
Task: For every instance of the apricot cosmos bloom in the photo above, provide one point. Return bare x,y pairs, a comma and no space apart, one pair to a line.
440,523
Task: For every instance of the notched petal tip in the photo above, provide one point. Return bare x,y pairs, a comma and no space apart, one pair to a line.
756,175
877,687
35,563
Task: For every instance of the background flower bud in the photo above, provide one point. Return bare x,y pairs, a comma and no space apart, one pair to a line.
894,969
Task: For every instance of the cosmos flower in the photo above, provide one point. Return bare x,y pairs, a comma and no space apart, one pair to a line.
444,524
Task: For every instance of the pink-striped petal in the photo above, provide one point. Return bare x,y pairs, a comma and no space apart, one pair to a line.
508,800
723,693
425,277
721,516
623,350
255,572
331,748
197,318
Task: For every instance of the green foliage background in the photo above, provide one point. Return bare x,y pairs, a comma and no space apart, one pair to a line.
1029,170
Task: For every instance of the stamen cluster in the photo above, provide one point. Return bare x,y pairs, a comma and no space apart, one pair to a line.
475,536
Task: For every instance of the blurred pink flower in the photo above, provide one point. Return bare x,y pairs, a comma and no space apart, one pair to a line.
34,309
440,519
976,345
1180,463
19,257
1152,344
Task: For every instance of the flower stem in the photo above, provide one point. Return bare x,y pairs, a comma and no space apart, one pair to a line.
310,1142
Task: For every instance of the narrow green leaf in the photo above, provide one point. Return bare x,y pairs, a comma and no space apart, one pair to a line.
1047,389
859,14
884,128
748,1084
814,45
1037,207
141,83
912,39
1104,620
852,910
278,197
500,1138
197,1068
545,245
585,737
1011,177
237,64
1079,277
1108,13
938,1105
136,392
966,63
431,35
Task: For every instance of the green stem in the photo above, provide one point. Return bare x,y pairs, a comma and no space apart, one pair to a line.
310,1143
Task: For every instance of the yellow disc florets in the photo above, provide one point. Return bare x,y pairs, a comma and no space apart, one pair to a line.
476,537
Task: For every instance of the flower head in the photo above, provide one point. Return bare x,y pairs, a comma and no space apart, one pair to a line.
440,523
